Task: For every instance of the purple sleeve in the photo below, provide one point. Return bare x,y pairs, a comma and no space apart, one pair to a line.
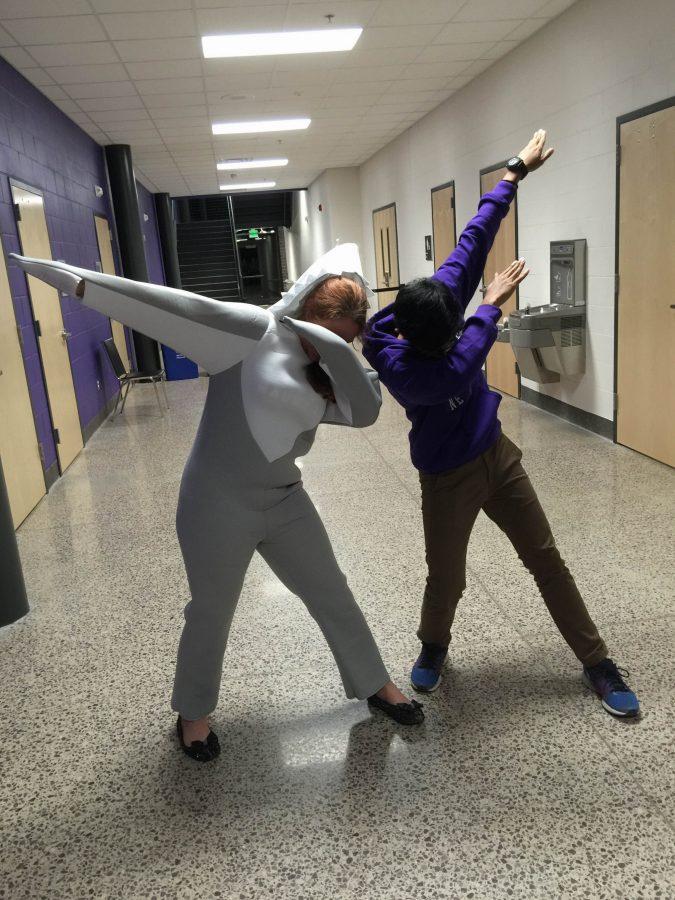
426,382
462,270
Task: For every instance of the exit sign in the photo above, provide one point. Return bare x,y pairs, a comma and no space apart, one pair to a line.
253,234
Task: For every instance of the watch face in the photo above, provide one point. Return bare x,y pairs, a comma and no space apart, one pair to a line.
514,161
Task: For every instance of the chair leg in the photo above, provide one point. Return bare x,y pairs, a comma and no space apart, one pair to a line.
159,402
126,394
163,384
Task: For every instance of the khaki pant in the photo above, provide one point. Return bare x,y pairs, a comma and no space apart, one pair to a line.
496,483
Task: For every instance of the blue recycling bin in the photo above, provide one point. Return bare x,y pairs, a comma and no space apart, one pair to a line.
177,366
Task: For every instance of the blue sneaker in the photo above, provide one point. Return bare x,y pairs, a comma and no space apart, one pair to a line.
426,673
606,680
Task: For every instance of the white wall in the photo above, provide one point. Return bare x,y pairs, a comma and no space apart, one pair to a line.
315,231
598,60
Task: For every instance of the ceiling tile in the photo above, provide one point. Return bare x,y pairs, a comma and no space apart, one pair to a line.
18,57
442,71
526,29
474,32
159,48
67,105
6,39
79,74
54,92
38,77
398,36
102,89
241,18
554,7
501,48
451,52
385,57
478,66
346,14
168,68
54,29
170,85
369,73
120,115
394,12
21,9
489,10
121,6
228,85
152,25
163,101
98,103
74,54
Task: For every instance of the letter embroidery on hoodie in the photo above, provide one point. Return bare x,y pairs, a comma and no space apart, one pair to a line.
455,402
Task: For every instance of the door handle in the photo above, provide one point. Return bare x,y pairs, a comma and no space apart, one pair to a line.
66,334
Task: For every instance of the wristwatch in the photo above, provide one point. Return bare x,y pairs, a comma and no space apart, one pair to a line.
515,164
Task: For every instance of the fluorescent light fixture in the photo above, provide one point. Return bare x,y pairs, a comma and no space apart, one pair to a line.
258,127
251,186
280,43
229,165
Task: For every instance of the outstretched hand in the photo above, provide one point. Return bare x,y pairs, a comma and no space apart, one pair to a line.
533,154
504,283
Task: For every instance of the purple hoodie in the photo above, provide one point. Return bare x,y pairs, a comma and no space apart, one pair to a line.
452,411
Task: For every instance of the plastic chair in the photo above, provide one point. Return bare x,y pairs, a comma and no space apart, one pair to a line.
128,379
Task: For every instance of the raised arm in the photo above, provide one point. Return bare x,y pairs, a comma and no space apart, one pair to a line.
214,334
462,270
357,392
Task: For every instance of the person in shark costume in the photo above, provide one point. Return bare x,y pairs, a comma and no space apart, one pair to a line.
241,490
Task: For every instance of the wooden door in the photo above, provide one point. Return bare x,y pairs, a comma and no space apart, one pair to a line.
443,224
104,239
52,336
646,268
385,235
19,448
500,368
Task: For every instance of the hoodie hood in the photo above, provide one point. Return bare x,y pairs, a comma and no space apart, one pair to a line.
380,337
342,259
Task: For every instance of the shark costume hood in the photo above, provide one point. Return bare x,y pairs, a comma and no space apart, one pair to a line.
342,259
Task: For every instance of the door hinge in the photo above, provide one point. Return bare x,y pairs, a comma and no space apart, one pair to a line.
38,330
618,154
516,369
452,203
57,436
41,452
615,398
17,212
616,285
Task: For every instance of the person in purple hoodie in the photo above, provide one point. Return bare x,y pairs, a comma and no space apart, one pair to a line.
431,360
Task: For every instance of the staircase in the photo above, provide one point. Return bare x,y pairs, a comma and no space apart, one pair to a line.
206,255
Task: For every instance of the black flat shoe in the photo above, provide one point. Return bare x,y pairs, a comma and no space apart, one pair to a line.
202,751
403,713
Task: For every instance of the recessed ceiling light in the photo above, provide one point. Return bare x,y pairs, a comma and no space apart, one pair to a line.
280,43
251,186
257,127
232,164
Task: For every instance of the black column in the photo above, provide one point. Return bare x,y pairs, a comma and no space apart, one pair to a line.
13,600
167,238
130,238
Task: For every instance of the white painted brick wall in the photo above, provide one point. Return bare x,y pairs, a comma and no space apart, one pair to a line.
598,60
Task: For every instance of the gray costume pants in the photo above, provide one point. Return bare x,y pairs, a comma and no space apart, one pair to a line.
218,537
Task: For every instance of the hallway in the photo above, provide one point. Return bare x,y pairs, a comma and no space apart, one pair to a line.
518,784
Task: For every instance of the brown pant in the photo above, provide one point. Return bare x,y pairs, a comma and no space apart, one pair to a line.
496,483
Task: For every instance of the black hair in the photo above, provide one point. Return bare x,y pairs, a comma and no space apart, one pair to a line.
428,315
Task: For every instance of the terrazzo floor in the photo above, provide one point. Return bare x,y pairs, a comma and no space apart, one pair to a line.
518,786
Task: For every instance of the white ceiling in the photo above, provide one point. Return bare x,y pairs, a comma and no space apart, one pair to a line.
132,71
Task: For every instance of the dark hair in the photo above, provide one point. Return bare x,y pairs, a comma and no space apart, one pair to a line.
427,315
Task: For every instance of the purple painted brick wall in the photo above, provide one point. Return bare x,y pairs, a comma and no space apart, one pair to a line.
153,249
42,147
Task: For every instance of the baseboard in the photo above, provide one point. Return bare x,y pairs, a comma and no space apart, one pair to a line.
589,421
51,474
98,419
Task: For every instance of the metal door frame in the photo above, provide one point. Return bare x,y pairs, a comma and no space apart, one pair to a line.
15,182
441,187
622,120
486,171
398,257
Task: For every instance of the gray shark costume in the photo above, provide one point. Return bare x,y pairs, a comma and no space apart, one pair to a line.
241,490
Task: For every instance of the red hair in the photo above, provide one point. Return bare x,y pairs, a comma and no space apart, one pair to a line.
338,297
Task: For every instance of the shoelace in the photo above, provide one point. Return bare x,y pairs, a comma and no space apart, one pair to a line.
614,674
430,657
